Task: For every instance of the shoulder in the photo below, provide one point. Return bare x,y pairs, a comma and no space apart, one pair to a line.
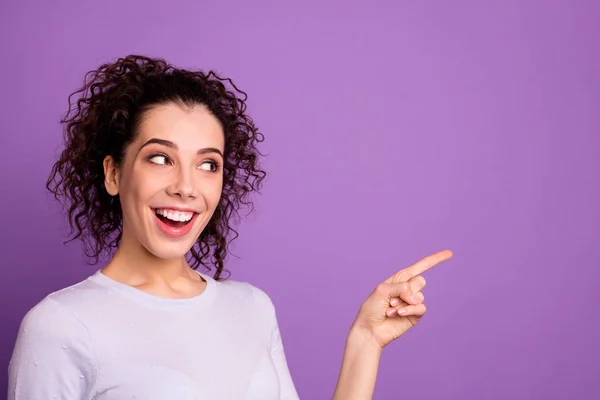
50,319
51,346
49,332
45,315
252,304
248,294
58,313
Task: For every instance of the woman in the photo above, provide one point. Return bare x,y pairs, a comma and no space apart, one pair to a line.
157,161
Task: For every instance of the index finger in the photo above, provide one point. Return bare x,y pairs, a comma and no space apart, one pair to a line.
420,266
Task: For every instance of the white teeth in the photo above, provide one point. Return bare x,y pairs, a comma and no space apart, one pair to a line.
175,215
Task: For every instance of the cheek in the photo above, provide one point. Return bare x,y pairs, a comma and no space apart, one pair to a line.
216,191
140,189
212,190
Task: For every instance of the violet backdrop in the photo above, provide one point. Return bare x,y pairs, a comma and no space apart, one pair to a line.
394,129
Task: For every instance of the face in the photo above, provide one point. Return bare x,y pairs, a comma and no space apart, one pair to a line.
170,179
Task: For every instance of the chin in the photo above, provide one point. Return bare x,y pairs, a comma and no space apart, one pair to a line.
172,253
169,249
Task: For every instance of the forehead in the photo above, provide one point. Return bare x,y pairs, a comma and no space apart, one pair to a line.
190,128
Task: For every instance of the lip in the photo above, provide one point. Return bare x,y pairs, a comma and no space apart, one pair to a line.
171,231
180,209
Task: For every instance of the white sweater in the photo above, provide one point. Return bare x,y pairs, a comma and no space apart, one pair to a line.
104,340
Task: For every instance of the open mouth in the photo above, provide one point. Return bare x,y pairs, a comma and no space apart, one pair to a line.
174,223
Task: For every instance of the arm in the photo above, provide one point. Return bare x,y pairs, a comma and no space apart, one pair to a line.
52,357
287,389
359,367
395,306
286,384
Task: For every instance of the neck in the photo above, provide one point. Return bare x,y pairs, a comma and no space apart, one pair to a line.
135,265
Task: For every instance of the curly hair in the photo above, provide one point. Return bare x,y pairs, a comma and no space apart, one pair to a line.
104,120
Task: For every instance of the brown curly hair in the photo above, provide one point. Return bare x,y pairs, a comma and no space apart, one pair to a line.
114,99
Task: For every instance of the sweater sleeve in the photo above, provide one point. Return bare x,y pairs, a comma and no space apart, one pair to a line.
53,357
286,385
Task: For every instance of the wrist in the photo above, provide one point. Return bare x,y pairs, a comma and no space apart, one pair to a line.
362,338
359,366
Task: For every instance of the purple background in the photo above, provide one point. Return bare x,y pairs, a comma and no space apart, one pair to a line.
394,129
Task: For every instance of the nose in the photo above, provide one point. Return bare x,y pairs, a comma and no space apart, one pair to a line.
183,185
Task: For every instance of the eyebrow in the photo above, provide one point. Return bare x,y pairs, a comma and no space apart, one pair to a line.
174,146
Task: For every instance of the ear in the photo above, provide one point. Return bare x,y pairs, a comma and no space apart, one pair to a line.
111,176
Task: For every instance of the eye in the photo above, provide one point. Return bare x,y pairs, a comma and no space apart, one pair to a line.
210,166
160,159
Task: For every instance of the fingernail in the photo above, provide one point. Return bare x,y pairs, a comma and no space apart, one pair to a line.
391,312
402,311
413,300
394,302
